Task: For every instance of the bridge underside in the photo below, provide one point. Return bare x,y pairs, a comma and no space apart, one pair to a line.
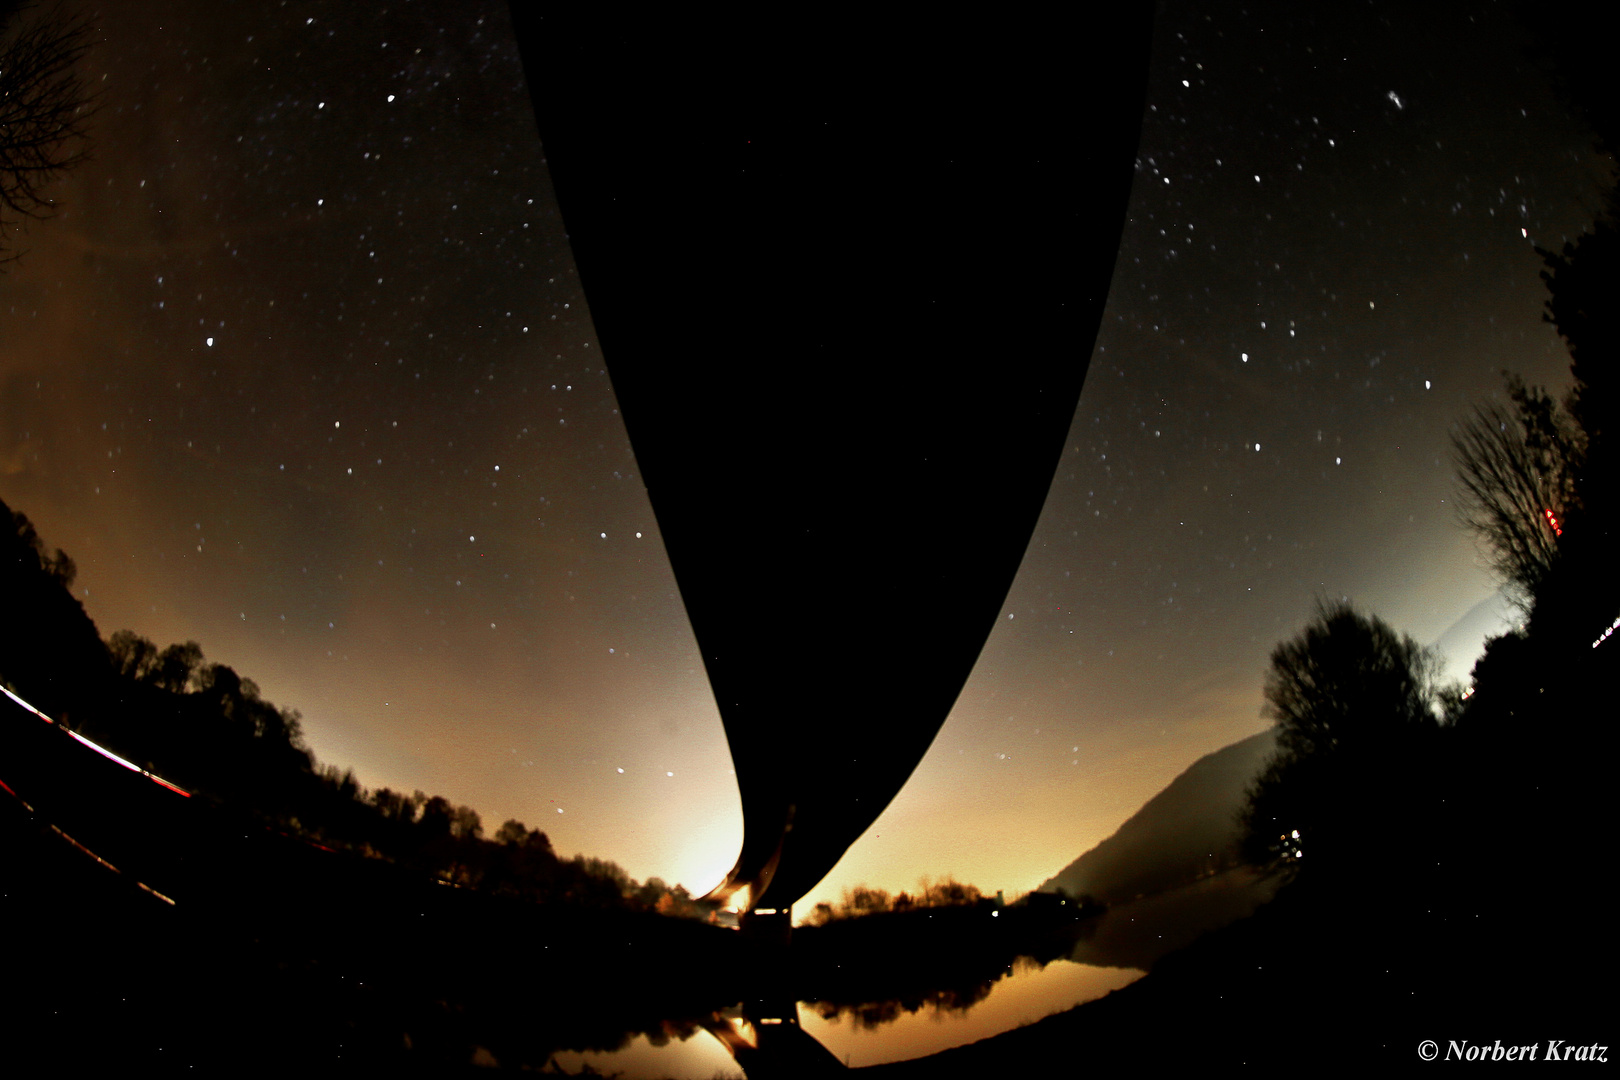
846,278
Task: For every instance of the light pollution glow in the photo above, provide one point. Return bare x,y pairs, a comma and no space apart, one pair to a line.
273,365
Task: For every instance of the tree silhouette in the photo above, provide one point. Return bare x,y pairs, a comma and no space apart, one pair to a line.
1517,473
1352,701
1583,283
45,106
134,657
50,651
177,666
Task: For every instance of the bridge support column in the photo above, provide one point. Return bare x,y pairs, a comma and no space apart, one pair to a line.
770,927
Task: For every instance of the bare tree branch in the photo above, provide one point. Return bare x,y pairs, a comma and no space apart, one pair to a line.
45,108
1516,473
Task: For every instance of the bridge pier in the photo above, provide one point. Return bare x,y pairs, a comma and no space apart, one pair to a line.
769,927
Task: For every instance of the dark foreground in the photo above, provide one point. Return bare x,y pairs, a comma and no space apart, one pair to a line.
1488,922
276,955
1486,925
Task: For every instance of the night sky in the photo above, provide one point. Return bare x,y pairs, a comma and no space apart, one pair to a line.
302,371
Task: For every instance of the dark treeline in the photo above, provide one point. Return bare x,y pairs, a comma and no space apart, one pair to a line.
864,900
1444,845
208,729
1378,764
1444,848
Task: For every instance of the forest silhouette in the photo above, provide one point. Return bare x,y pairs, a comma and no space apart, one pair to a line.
203,871
206,728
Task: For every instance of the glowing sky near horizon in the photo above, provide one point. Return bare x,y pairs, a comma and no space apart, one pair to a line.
302,371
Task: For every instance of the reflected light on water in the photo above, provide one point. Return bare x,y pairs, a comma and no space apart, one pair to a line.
1026,995
701,1057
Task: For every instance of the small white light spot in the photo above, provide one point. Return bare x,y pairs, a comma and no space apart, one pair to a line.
604,536
390,97
472,539
638,536
210,341
1427,384
1338,461
669,774
1245,357
621,771
1257,448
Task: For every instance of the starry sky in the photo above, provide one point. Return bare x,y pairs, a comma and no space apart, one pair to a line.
302,370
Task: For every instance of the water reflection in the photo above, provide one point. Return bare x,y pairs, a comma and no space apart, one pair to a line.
869,998
693,1055
872,1015
854,1035
895,1031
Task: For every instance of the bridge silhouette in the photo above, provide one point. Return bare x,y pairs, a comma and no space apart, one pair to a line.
846,273
846,278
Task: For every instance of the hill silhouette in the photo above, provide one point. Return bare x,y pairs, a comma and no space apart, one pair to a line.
1186,832
1465,639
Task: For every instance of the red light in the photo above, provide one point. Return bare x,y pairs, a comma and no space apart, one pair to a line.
1552,519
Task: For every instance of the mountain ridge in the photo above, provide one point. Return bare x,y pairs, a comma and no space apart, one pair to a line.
1186,832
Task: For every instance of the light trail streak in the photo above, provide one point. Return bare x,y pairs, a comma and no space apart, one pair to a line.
1601,638
110,866
102,750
